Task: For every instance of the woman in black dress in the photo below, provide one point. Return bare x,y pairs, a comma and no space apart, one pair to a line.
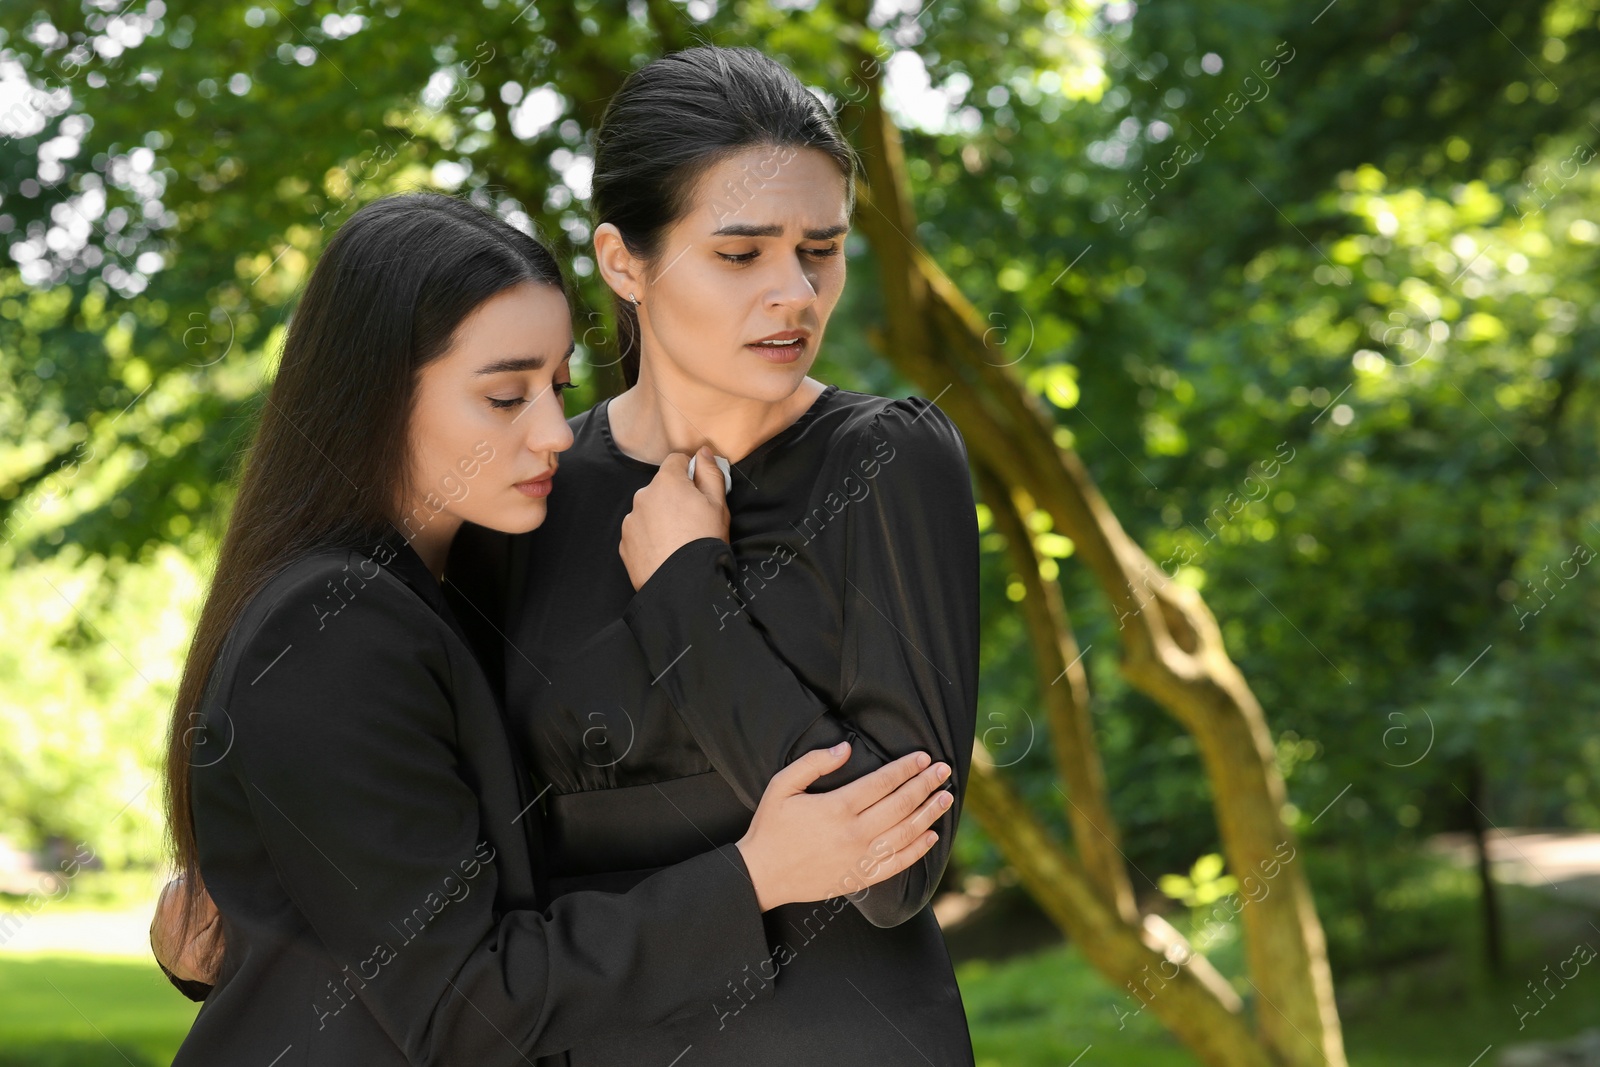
339,775
654,690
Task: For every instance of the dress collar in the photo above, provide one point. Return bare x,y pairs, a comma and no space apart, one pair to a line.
394,553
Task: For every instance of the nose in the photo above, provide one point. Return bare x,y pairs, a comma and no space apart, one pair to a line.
793,288
545,426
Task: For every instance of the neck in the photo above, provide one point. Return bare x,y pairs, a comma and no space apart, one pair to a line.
432,541
666,412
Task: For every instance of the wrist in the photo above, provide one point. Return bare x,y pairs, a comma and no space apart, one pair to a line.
759,878
684,566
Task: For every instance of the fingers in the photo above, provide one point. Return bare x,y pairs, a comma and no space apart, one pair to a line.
916,825
900,859
903,802
794,778
908,841
168,915
198,960
867,790
905,844
166,927
708,476
676,465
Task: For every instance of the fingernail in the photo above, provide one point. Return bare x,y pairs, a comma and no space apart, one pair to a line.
945,800
922,760
944,771
836,749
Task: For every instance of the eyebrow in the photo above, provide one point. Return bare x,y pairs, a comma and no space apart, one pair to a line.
521,363
736,229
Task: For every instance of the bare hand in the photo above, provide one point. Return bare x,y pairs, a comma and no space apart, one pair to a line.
197,958
813,846
672,511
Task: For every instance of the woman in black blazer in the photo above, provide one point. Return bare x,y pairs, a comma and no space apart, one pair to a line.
339,776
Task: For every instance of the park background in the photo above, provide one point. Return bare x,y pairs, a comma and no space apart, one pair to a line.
1272,331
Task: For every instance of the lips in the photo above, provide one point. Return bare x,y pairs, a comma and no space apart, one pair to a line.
537,487
783,347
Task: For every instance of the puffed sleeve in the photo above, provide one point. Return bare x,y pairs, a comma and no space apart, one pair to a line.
910,646
343,739
745,707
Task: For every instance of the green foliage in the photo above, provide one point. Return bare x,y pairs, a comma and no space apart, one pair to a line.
90,650
1312,294
1204,885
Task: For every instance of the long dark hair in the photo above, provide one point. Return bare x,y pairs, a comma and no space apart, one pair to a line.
329,463
674,118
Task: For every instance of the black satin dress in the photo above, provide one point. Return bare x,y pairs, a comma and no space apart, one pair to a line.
846,607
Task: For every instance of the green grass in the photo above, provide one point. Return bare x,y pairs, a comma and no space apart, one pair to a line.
57,1011
1440,1014
1042,1010
1045,1009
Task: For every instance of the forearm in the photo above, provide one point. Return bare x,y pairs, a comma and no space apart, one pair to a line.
740,699
350,771
601,962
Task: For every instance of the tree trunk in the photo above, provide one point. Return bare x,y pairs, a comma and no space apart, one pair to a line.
1493,943
1170,987
1171,645
1094,829
1064,689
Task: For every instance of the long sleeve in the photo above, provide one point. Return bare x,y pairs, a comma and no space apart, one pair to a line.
911,617
909,665
343,739
736,694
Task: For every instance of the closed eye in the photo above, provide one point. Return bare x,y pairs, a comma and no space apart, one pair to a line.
745,257
506,403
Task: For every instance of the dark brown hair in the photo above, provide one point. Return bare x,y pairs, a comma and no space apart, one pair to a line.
328,465
680,115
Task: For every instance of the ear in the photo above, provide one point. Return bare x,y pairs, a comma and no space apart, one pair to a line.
621,269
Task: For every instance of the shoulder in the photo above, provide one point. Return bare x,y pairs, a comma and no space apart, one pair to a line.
332,580
908,468
327,610
590,452
333,652
895,456
913,427
333,657
584,421
588,435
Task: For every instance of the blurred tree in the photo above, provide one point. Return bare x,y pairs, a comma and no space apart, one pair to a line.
1200,223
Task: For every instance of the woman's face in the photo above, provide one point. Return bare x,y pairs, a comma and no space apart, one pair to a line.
758,257
488,419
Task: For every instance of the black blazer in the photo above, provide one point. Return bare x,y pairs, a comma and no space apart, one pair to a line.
366,835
